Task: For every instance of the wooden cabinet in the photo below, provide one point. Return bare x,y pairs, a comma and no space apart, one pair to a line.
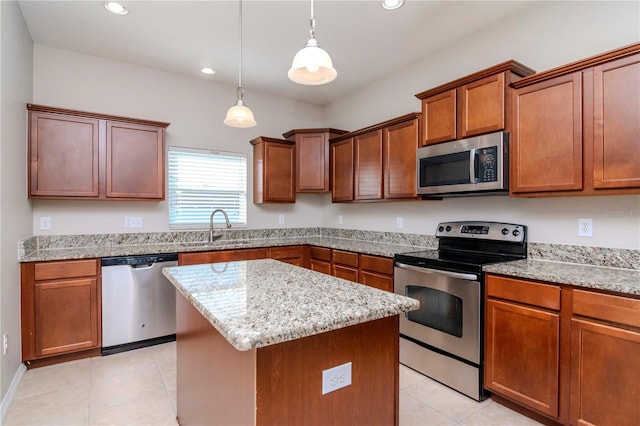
342,163
378,162
80,155
320,259
522,342
312,157
605,350
576,129
289,254
198,258
473,105
60,308
344,264
376,271
570,354
274,165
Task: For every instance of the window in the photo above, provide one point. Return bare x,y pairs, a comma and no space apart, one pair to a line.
201,181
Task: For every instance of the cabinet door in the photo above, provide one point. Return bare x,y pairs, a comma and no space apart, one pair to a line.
67,316
522,352
279,172
135,161
482,106
439,117
546,145
380,281
312,151
368,166
342,170
320,266
221,256
63,155
605,371
400,144
345,272
616,130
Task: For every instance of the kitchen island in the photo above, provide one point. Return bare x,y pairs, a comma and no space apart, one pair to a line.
254,337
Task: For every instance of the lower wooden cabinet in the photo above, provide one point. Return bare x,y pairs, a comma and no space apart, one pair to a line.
60,308
376,271
344,264
605,350
569,354
320,259
288,254
221,256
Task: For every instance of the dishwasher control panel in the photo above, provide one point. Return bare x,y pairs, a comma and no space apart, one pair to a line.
136,260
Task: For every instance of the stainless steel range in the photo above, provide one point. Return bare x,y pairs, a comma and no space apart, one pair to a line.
444,338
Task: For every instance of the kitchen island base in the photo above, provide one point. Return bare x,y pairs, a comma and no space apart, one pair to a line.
282,383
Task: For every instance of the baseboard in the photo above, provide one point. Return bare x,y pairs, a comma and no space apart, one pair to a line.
8,397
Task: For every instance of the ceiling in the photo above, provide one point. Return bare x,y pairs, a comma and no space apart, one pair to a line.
365,41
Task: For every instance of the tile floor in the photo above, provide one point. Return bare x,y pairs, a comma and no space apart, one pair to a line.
139,388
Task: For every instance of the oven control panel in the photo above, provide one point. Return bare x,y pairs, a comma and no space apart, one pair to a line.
483,230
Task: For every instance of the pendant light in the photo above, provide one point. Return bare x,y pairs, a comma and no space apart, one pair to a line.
312,65
239,115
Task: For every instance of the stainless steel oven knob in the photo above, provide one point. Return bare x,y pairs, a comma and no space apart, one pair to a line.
516,232
505,231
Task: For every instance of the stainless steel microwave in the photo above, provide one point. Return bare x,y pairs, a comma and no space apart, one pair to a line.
468,167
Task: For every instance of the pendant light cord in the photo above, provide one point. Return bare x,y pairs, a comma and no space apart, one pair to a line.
240,92
312,23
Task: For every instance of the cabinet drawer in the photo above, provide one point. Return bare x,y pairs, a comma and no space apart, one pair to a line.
527,292
321,253
383,282
621,310
319,266
346,273
345,258
286,252
65,269
383,265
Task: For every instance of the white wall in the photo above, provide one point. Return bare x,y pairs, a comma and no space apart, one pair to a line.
544,36
15,211
195,108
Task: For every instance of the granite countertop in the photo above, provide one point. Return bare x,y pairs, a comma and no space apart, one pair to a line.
596,277
264,302
358,246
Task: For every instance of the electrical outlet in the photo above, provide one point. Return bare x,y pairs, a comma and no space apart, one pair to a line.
399,222
336,378
340,221
585,227
281,219
45,223
133,222
5,343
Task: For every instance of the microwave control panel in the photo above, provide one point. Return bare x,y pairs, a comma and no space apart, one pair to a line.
487,164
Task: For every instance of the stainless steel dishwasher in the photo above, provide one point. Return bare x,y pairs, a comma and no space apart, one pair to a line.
138,302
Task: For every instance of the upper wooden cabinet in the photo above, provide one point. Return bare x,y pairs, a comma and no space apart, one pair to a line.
274,167
312,158
471,105
81,155
376,163
576,129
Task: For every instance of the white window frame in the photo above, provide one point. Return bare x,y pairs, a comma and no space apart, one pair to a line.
200,184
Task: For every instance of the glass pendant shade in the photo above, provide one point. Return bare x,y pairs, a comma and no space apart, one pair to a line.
312,65
239,115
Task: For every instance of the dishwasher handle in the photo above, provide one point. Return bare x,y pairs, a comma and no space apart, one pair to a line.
141,266
449,274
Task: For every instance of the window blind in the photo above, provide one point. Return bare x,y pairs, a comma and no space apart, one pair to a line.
200,181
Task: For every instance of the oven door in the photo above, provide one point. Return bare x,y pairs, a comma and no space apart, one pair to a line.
449,314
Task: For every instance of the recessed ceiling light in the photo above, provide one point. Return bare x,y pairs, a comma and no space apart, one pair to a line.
208,71
115,7
392,4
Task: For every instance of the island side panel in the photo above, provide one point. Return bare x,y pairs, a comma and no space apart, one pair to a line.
289,378
215,382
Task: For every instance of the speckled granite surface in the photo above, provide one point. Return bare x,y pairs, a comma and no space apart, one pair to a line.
596,256
264,302
597,277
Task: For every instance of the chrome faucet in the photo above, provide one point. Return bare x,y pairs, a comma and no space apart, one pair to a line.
226,218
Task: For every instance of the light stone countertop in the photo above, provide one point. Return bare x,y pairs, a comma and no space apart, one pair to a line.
596,277
358,246
264,302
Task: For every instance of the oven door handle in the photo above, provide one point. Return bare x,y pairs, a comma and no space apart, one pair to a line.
458,275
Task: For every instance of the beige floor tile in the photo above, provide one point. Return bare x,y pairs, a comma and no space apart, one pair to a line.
409,377
153,410
452,404
173,395
53,377
124,363
126,387
67,406
415,413
495,414
165,352
169,374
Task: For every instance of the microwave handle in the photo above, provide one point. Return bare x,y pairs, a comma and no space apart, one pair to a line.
473,159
